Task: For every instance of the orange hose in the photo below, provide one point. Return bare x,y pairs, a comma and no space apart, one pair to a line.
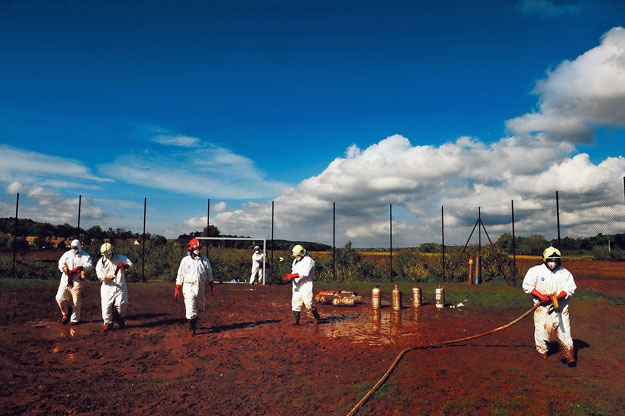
440,344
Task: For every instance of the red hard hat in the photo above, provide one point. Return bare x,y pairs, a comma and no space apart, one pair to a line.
194,243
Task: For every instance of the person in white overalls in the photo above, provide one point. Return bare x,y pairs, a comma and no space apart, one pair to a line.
74,263
111,270
193,274
552,286
302,275
257,266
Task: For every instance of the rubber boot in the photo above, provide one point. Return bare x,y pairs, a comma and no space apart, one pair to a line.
193,325
296,317
316,315
118,318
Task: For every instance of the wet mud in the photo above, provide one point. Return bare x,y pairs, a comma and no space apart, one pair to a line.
247,358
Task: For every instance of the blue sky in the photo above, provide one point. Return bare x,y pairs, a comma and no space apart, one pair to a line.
309,102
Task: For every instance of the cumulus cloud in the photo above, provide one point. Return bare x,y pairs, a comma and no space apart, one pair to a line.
417,181
580,95
547,8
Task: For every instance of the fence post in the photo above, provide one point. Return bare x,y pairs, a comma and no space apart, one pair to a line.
513,248
443,239
478,265
334,240
208,214
79,206
17,205
391,238
145,206
272,243
558,218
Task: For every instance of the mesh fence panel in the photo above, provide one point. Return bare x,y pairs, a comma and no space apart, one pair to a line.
584,212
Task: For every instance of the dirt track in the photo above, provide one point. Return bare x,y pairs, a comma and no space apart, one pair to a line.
248,360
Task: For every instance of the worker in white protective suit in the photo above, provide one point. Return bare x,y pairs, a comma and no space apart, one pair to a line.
111,270
302,275
257,266
552,286
193,274
74,263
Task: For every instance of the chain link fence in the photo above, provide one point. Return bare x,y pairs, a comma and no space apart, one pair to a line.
380,241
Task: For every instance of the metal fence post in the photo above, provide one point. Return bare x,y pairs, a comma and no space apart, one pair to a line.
443,239
79,206
272,243
558,218
391,238
513,248
145,206
334,240
17,205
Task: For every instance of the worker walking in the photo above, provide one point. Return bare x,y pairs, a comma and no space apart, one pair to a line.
257,266
193,274
111,271
552,286
73,264
302,275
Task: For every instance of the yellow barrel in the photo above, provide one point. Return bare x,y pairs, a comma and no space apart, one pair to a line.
396,298
440,297
376,298
416,297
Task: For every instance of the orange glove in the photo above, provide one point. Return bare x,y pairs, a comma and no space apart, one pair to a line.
177,291
561,295
289,277
76,269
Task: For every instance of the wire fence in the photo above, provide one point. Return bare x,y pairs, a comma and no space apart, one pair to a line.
450,235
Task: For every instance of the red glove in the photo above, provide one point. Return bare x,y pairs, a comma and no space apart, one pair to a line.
561,295
542,298
212,287
177,291
289,277
76,269
123,266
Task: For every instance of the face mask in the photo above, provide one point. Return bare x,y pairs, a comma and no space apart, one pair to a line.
75,250
196,251
551,264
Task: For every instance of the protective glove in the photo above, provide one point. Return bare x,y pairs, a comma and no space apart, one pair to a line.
76,269
212,287
561,295
123,266
177,291
289,277
542,298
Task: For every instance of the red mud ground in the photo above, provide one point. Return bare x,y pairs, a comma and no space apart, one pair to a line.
248,360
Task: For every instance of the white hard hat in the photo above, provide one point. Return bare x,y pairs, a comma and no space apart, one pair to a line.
256,248
76,243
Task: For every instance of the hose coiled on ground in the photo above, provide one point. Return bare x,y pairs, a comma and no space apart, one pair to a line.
440,344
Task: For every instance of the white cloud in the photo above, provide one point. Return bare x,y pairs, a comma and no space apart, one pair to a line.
547,8
176,140
417,180
209,171
30,167
580,95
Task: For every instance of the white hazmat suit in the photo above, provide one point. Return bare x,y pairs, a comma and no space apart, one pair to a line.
303,285
69,294
193,274
257,268
114,292
550,323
